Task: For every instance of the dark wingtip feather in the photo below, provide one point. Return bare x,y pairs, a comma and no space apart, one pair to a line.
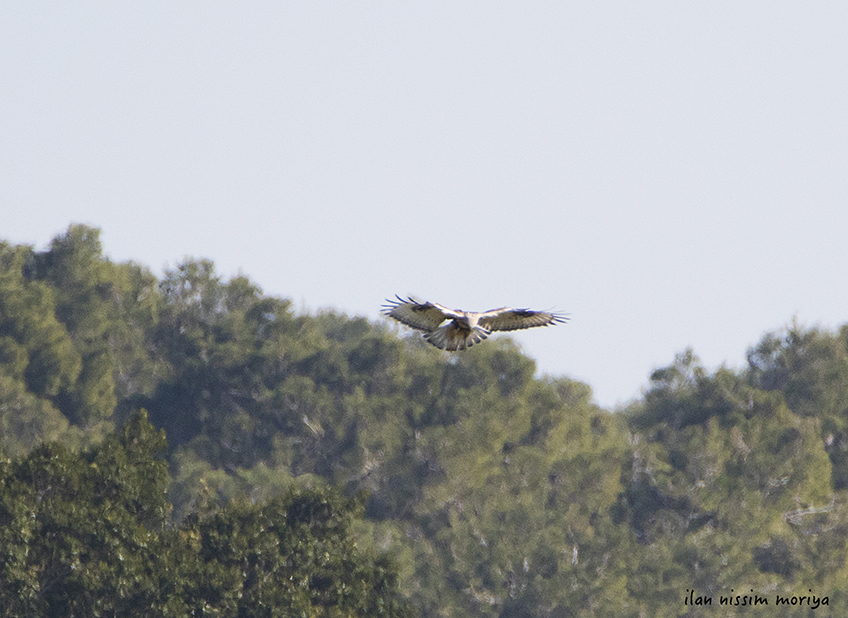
390,304
387,307
560,318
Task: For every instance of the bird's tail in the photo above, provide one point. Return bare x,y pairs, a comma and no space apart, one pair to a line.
451,338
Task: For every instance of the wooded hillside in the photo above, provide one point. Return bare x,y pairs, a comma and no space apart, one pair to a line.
324,464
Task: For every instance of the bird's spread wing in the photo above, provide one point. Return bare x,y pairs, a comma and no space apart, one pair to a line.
423,316
516,319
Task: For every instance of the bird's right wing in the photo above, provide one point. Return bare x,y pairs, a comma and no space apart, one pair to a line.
423,316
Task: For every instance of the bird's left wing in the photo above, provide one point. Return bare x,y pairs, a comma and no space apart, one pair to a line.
423,316
516,319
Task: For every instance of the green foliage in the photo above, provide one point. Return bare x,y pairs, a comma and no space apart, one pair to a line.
721,484
25,419
37,357
810,369
36,347
88,535
79,532
291,556
496,493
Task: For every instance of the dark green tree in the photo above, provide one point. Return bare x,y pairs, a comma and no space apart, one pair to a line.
89,535
810,369
38,360
719,472
109,311
80,532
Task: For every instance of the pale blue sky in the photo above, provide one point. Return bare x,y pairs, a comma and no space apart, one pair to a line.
669,173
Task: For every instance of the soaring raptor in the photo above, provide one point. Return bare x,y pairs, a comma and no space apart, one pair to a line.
465,327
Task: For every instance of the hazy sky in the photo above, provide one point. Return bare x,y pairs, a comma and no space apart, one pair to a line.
669,173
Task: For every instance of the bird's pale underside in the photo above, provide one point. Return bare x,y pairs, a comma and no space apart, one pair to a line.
464,328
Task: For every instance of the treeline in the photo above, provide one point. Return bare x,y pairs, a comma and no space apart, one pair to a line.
464,482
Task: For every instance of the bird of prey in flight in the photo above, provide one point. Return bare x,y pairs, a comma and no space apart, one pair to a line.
465,327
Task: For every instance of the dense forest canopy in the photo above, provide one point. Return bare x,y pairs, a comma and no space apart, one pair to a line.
190,444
